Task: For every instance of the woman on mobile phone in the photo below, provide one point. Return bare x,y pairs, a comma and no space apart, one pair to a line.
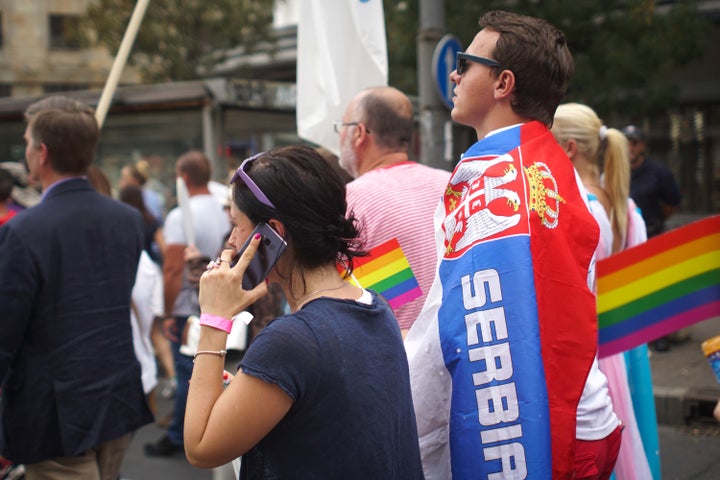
324,391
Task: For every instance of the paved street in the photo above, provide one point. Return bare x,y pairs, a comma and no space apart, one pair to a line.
690,452
137,466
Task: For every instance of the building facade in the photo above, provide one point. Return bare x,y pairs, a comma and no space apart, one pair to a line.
41,50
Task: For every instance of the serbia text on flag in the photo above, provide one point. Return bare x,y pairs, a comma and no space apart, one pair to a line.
486,226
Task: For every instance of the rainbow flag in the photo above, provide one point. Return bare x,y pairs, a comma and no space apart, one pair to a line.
665,284
387,271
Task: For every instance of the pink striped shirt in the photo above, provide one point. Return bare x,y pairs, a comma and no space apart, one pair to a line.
399,201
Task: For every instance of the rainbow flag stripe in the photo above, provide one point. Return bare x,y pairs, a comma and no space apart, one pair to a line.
665,284
387,271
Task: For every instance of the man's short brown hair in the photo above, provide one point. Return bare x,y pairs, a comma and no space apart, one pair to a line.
537,53
68,129
197,167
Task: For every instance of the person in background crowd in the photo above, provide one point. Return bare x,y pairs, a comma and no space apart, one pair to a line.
209,225
322,392
99,180
391,196
6,185
146,311
25,192
155,186
153,233
67,267
132,175
334,162
505,347
652,185
154,244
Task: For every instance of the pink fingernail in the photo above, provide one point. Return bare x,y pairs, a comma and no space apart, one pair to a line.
257,236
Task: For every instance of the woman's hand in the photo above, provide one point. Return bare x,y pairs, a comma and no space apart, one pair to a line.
221,291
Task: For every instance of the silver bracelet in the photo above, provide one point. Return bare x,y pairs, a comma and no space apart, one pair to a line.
219,353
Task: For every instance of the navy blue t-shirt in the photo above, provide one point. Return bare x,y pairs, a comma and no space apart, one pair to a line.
344,365
652,185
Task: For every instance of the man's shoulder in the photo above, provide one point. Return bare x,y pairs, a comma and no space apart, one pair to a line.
111,208
207,203
404,173
173,215
427,170
64,218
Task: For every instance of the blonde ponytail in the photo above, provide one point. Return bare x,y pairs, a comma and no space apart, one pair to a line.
605,152
616,181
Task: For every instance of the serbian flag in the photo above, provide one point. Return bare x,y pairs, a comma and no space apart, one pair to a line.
386,271
667,283
500,354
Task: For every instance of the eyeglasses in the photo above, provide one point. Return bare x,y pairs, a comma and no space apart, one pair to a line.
241,175
339,125
464,59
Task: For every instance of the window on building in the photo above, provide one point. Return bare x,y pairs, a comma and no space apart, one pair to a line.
64,31
5,89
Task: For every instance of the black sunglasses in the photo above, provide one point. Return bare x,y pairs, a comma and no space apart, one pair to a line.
464,59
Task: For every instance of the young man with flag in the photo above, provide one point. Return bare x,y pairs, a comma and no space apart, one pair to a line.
503,357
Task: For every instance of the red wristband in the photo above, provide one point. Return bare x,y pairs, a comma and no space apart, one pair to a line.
216,322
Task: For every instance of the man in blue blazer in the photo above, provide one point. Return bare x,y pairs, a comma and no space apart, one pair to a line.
71,385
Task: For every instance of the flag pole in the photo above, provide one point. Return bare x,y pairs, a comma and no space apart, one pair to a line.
120,60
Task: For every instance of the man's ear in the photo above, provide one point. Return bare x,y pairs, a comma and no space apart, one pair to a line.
505,84
360,135
44,155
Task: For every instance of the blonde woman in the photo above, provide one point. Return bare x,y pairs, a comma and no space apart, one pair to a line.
600,156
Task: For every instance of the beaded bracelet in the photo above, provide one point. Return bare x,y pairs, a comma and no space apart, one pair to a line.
216,321
219,353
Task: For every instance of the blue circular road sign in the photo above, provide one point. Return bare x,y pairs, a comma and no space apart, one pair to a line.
443,63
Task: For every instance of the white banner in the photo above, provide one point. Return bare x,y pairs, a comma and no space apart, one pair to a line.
341,50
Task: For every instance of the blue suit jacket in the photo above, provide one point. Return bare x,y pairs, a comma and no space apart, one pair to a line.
69,376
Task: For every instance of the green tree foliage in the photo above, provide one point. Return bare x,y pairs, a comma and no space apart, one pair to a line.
179,39
624,50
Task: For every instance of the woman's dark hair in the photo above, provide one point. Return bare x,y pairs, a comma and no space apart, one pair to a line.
309,199
133,196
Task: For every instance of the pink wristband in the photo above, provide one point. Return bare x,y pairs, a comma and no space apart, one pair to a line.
216,322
